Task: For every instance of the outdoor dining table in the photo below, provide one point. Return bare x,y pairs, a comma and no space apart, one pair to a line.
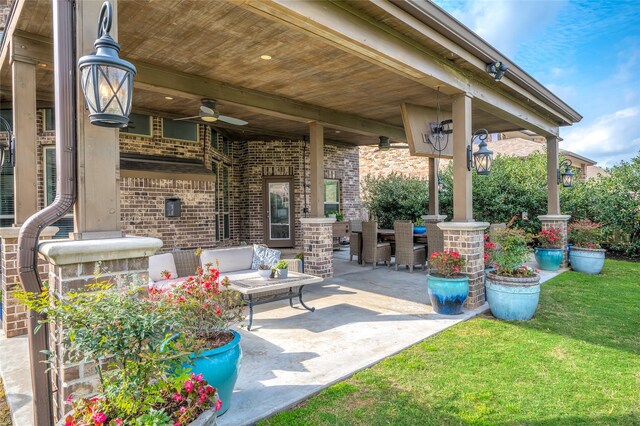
387,235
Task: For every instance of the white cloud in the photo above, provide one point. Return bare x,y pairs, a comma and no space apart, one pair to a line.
608,139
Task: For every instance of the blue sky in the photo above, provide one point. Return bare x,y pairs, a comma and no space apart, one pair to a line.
586,52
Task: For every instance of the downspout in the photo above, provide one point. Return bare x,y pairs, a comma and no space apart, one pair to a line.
65,115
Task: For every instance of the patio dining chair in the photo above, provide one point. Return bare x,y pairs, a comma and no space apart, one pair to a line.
372,250
355,225
435,239
408,253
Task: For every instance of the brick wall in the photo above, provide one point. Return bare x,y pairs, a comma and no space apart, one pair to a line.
381,163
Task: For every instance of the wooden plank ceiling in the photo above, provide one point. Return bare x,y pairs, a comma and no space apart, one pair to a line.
220,41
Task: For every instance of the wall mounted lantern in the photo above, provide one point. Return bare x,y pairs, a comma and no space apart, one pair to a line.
483,157
384,144
496,69
566,176
107,80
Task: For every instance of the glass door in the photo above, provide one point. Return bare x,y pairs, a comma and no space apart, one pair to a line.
279,230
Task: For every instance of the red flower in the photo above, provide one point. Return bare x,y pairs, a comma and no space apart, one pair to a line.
177,397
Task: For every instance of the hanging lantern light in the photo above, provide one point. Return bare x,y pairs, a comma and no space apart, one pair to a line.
384,144
566,176
483,157
107,80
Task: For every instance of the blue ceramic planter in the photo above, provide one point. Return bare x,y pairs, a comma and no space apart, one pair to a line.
447,295
220,368
548,259
513,299
588,261
419,229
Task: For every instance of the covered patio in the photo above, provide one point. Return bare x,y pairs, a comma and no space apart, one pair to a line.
313,80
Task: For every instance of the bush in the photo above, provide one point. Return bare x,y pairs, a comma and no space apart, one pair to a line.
395,197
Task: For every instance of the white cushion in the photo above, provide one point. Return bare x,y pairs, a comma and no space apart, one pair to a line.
229,259
166,284
159,263
264,255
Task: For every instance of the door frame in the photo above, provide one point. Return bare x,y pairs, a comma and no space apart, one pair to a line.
266,180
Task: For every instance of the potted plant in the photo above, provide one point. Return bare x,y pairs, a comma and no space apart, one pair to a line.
282,267
301,257
121,333
548,251
586,254
448,288
332,214
418,226
339,217
205,308
513,289
264,271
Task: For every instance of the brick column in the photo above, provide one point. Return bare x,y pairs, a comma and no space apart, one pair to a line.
14,315
317,242
72,265
467,238
557,221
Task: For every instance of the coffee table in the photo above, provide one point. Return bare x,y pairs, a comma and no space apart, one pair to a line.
253,289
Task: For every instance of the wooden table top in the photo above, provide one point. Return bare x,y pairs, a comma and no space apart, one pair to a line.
257,284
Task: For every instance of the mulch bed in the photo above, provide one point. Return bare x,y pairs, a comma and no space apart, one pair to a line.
5,414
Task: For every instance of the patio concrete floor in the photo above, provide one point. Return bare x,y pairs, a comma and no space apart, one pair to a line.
362,316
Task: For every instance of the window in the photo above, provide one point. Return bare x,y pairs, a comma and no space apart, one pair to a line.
6,196
66,223
226,146
7,114
226,203
331,195
214,140
182,130
49,120
139,124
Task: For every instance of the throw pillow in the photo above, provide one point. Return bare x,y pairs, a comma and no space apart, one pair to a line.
159,263
263,254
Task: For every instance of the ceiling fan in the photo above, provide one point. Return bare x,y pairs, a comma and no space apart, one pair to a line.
210,114
385,144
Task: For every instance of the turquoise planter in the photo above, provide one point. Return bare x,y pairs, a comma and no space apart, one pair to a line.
220,367
447,295
419,229
548,259
588,261
511,298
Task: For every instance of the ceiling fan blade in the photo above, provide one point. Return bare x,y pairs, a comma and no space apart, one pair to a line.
205,110
232,120
186,118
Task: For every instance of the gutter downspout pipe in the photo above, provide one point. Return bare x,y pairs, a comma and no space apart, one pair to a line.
65,115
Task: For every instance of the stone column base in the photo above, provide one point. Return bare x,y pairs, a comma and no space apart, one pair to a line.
467,238
558,221
317,243
434,218
14,315
71,266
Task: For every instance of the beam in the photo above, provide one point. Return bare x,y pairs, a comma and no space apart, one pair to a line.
434,195
462,177
24,126
316,165
383,46
12,23
32,48
553,193
176,83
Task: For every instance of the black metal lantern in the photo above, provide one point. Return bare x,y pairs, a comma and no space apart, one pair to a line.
384,144
483,157
566,176
107,80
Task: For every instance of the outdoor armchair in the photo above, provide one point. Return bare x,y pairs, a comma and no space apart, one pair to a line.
372,250
408,253
355,225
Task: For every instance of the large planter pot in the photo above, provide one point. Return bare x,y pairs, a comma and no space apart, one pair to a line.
588,261
489,269
513,298
548,259
220,367
447,295
419,230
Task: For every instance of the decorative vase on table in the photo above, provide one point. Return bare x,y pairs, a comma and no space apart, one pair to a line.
447,287
586,256
549,251
513,289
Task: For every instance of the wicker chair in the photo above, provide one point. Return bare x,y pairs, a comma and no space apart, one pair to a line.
435,238
372,250
354,238
408,253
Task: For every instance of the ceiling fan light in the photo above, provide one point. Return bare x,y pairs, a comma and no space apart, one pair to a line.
209,118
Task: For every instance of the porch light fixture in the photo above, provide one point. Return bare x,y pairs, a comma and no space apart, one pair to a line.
483,157
496,69
566,176
107,80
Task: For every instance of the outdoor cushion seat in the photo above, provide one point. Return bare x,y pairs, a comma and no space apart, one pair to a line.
372,250
407,252
166,284
162,263
229,259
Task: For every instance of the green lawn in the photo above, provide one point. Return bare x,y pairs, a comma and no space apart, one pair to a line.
577,362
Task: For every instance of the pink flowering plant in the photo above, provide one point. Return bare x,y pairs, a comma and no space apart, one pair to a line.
550,238
447,264
489,252
584,233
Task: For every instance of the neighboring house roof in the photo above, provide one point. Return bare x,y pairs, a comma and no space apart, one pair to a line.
521,147
596,171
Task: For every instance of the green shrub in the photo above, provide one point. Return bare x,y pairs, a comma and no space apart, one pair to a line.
395,197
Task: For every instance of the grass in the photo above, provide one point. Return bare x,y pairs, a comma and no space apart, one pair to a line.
5,415
576,363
